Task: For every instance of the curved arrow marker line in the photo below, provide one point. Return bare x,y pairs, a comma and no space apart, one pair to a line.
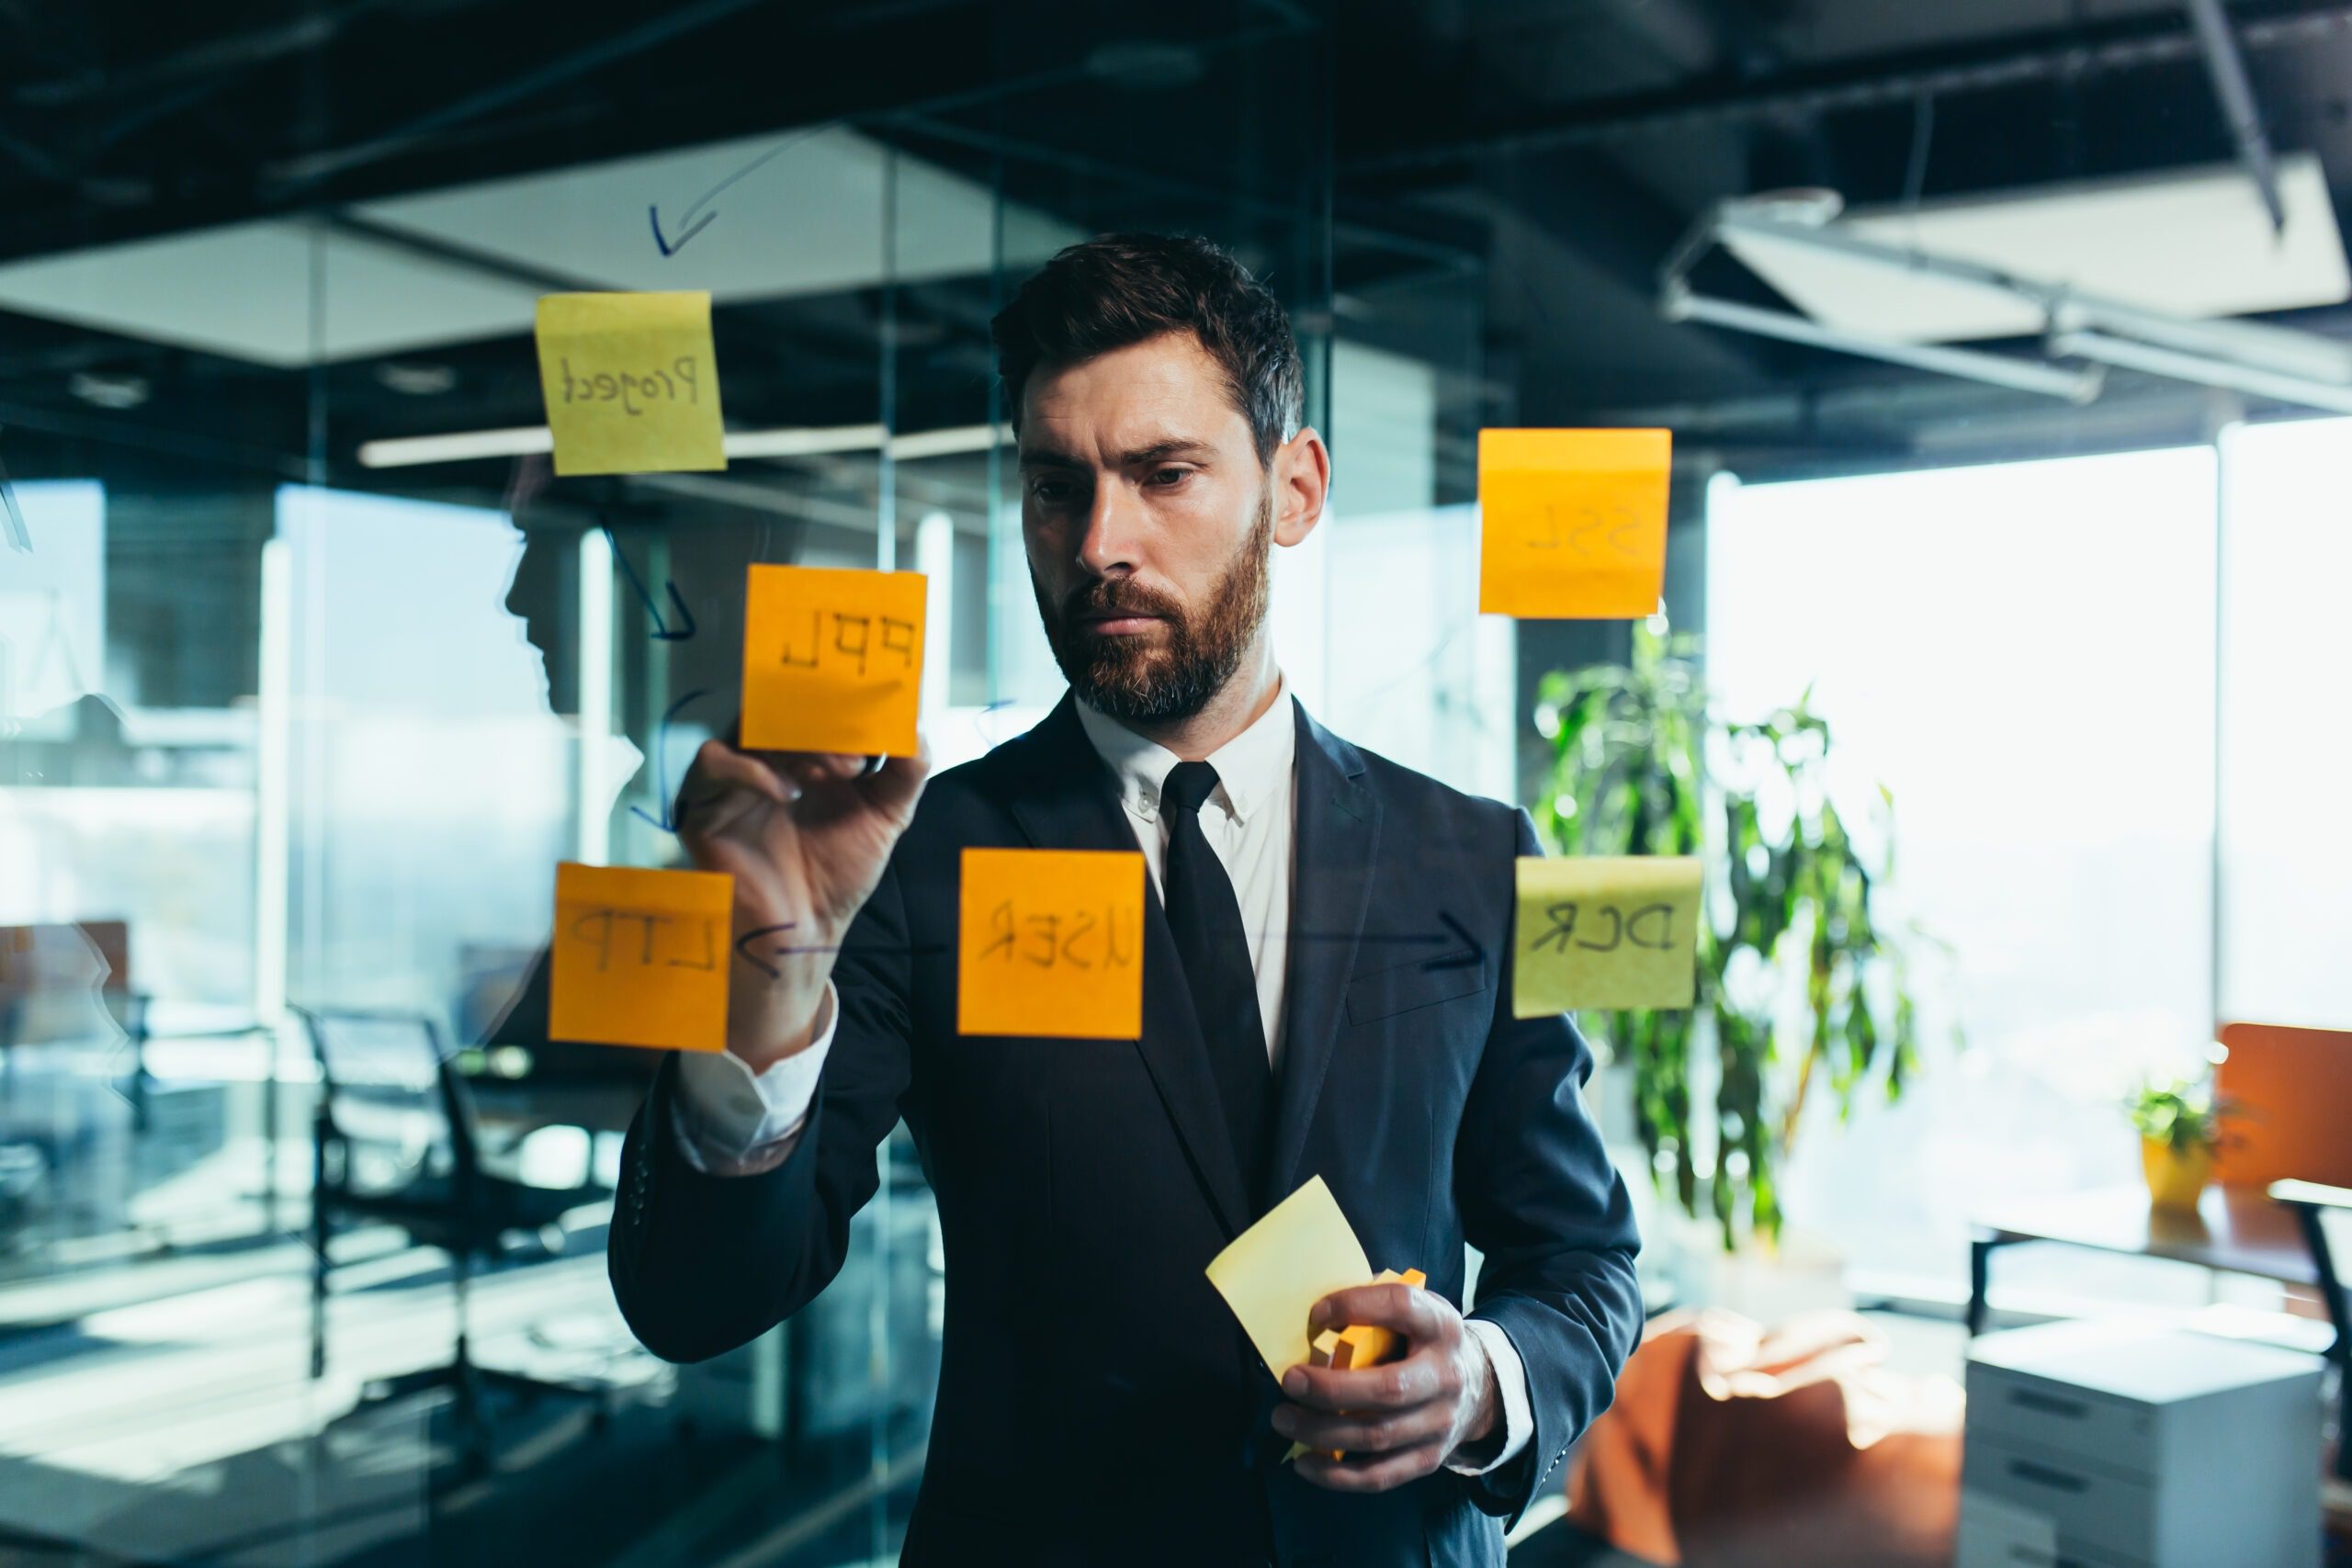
695,226
661,631
667,822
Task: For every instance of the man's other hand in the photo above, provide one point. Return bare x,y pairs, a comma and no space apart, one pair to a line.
1402,1419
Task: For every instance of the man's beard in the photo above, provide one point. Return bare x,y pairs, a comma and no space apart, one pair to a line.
1137,682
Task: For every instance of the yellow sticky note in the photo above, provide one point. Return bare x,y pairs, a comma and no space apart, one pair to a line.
1605,932
631,383
1572,522
640,957
833,660
1274,1273
1051,942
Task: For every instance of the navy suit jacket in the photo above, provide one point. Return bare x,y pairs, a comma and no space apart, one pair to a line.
1097,1400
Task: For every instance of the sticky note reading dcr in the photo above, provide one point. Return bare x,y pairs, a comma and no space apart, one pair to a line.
631,383
1572,522
1597,931
1274,1273
833,660
640,957
1051,942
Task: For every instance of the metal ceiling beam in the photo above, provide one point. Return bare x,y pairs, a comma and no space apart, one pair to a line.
2238,107
1868,85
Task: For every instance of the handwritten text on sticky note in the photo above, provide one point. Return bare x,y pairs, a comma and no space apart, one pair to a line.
640,957
1050,942
833,660
631,383
1572,522
1605,932
1274,1273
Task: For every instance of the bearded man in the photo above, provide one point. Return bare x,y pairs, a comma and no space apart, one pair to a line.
1098,1402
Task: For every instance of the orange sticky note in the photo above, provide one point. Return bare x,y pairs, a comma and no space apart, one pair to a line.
833,660
640,957
1050,942
1572,522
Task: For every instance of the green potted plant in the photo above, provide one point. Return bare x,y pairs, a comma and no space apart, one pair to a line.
1800,982
2179,1128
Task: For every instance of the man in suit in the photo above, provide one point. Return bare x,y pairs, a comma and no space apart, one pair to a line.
1327,992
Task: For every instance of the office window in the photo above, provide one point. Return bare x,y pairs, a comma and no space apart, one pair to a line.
2021,653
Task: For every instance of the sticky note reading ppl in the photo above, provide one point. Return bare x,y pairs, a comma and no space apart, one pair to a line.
1051,942
1618,931
1572,522
640,957
833,660
631,383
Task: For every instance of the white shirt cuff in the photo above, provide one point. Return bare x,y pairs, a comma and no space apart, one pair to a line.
731,1121
1510,1387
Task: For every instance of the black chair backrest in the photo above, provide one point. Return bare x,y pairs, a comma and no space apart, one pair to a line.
390,1096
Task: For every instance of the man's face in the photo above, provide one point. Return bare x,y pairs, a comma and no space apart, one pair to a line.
1149,522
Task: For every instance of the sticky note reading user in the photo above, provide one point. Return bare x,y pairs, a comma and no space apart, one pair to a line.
833,660
640,956
1051,942
1572,522
1619,932
1274,1273
631,383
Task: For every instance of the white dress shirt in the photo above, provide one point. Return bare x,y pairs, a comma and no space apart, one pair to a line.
733,1121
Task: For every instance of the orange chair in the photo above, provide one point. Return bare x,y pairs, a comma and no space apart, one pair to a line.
2287,1095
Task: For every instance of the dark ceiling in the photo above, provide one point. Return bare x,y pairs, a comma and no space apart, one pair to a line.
1503,177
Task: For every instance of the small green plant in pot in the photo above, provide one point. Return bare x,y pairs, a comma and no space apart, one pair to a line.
1798,981
2179,1128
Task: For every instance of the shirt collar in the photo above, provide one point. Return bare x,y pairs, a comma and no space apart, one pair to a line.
1251,768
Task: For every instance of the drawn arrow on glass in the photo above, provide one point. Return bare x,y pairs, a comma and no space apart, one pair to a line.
661,631
667,821
693,225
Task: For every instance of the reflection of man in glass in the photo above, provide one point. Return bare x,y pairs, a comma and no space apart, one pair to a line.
1097,1402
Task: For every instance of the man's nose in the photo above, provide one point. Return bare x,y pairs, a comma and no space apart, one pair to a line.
1107,544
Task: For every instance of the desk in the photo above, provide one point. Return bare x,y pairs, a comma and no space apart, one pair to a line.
2237,1230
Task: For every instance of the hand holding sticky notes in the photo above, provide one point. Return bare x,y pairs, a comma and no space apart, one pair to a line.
640,957
1595,931
833,660
1274,1273
1050,942
631,383
1572,522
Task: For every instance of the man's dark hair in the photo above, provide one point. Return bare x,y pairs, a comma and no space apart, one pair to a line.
1119,289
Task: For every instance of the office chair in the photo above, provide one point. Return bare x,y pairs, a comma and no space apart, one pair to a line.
394,1142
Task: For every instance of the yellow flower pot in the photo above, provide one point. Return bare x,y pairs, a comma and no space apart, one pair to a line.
2176,1177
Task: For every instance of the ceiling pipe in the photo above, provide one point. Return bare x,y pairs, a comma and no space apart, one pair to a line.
2238,106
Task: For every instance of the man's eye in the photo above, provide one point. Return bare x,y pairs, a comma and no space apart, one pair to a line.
1167,479
1053,493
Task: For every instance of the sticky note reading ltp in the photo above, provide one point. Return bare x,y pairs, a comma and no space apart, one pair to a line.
640,957
1274,1273
833,660
1618,931
1051,942
1572,522
631,383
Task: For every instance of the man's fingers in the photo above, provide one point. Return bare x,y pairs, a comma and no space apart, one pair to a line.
893,789
1363,1431
1408,1309
1353,1474
1393,1385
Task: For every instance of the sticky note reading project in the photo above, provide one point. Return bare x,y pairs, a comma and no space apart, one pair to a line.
631,383
1572,522
1051,942
833,660
640,957
1605,932
1274,1273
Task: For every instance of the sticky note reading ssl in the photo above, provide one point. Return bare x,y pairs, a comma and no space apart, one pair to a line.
1619,932
833,660
1572,522
1051,942
631,383
640,956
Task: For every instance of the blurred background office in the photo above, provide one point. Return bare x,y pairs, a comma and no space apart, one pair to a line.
2002,677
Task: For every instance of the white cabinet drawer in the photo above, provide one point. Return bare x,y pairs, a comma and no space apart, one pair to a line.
2095,1511
2009,1406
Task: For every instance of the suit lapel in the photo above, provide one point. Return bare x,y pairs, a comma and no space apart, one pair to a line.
1337,837
1063,799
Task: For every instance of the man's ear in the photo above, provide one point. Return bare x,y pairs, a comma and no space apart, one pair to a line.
1302,480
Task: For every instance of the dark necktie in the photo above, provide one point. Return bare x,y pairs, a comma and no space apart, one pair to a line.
1205,919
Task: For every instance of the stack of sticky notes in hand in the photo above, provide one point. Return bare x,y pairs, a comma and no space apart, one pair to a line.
1359,1344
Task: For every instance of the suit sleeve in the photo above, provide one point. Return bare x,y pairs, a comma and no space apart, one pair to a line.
702,1263
1543,1202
